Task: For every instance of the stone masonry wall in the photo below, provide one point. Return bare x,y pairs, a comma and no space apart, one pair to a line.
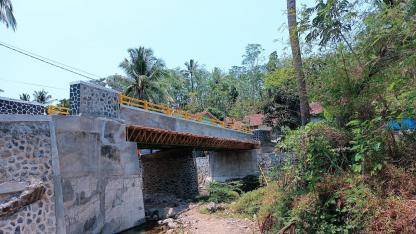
25,158
94,100
11,106
202,165
170,172
101,177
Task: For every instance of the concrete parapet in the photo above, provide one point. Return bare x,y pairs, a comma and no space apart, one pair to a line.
19,107
93,100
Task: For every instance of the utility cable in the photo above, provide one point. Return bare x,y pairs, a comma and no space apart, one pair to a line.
33,84
45,61
51,60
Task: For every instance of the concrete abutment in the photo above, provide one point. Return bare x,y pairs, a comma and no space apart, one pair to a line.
236,164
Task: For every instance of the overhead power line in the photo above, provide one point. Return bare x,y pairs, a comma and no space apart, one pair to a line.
32,84
50,62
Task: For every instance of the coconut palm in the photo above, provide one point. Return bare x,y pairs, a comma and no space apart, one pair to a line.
42,97
145,72
297,60
24,97
191,68
6,14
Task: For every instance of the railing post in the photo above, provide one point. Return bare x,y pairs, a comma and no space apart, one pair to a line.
145,105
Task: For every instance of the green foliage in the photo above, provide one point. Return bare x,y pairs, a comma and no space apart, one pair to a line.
282,110
339,205
24,97
144,72
64,103
367,144
42,97
259,202
223,192
317,149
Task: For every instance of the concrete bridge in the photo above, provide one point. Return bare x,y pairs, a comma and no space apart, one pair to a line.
80,173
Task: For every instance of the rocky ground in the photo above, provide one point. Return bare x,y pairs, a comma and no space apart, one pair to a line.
193,221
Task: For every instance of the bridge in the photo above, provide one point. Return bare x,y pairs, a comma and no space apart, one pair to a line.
85,158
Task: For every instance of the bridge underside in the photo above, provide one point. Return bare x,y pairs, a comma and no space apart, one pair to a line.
147,137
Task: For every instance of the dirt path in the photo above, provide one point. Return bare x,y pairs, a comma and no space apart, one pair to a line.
195,222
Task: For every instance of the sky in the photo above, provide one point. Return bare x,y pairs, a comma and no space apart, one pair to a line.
94,36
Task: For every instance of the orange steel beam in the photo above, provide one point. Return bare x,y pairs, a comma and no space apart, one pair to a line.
165,138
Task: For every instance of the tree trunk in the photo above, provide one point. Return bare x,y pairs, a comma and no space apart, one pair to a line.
297,60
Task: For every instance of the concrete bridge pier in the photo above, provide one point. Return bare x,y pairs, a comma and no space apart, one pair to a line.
235,164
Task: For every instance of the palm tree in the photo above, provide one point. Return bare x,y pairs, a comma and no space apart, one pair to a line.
24,97
42,97
145,72
64,103
297,60
191,68
6,14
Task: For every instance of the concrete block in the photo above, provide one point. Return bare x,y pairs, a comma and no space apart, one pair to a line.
78,153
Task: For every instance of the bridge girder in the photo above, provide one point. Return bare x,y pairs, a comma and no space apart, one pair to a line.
160,138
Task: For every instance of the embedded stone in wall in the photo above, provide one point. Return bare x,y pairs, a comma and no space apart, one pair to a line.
202,165
94,100
18,107
10,205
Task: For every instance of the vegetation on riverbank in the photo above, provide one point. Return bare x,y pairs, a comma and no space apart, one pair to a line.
354,171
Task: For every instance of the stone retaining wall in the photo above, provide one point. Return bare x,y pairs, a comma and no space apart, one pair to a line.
26,159
171,172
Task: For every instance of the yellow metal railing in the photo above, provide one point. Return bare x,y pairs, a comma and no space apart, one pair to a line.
146,105
57,110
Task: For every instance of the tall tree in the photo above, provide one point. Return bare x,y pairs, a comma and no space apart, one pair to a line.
191,69
332,22
297,60
145,73
42,97
253,63
24,97
6,14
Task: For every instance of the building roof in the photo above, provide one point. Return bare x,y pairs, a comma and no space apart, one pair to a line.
235,123
315,108
254,119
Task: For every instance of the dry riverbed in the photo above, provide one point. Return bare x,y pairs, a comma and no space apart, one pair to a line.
195,221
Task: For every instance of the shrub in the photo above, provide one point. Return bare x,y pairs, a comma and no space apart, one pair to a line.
251,203
318,150
394,181
221,192
396,216
340,204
